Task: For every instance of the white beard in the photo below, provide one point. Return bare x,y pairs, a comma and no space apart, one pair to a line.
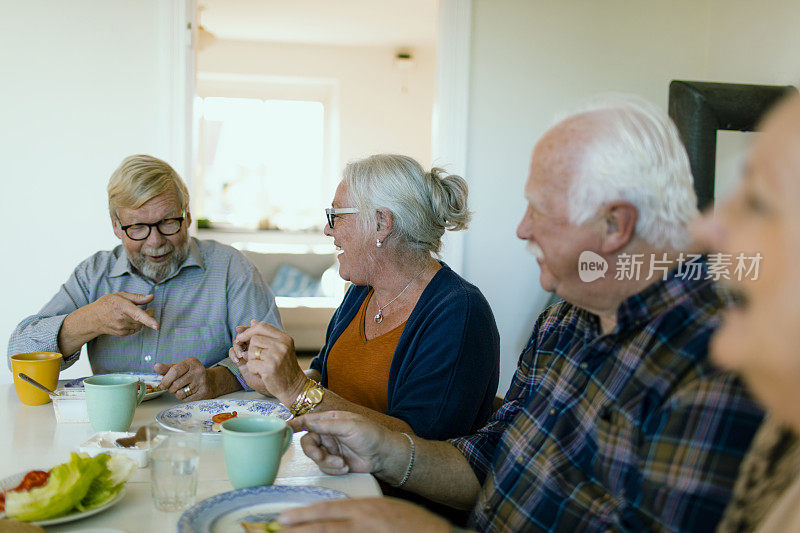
158,272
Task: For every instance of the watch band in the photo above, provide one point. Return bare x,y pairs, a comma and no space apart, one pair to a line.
310,396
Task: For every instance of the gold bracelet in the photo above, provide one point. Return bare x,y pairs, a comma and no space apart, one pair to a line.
310,396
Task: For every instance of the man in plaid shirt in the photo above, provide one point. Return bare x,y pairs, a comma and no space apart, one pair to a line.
615,419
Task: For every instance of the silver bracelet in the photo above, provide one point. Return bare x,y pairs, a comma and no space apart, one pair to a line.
410,461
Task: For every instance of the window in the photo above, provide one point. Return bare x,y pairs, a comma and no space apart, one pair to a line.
261,163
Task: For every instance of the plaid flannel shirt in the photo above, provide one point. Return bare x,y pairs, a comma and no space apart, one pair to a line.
634,430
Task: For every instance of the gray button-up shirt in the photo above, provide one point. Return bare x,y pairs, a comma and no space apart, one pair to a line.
198,309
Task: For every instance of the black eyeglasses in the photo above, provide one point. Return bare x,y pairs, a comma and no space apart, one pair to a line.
333,212
166,227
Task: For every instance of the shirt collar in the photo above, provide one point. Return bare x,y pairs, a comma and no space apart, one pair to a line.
664,294
195,257
123,266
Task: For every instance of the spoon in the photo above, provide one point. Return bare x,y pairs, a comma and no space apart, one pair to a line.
127,442
36,384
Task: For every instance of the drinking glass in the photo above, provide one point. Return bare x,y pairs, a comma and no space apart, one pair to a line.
173,469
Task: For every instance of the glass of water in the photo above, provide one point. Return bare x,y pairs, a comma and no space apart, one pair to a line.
173,469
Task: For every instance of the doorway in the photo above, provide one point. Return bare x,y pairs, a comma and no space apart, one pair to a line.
288,92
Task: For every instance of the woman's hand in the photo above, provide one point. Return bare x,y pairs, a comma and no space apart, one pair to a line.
238,354
271,360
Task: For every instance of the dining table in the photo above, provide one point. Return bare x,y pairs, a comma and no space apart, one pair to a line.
32,439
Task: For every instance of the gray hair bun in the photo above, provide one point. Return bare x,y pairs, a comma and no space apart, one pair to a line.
449,199
424,204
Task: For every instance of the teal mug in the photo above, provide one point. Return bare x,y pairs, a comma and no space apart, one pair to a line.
253,447
111,400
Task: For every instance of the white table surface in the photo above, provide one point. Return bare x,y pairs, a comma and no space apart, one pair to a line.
31,439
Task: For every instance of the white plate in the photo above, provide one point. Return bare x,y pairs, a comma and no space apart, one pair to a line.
196,416
98,530
12,481
148,378
224,512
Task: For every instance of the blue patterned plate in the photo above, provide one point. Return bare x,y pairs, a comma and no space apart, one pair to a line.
148,378
194,416
224,512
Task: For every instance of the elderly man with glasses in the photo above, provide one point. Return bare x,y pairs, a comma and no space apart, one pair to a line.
161,300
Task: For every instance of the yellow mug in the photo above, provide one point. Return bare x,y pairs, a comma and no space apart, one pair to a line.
41,366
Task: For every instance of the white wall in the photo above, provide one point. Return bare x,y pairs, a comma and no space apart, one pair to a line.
750,44
82,88
532,59
373,113
755,42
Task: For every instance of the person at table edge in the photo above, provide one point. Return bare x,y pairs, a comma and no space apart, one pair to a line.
616,419
413,345
759,335
158,301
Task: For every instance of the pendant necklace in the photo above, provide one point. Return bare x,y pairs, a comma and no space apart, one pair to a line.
379,316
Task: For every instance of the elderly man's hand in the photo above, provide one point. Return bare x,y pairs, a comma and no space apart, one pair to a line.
115,314
341,442
364,514
271,358
188,380
118,314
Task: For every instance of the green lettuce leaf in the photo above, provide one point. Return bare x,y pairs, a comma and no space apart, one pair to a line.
108,484
67,485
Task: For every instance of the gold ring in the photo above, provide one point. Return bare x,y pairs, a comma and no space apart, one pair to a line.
187,391
257,354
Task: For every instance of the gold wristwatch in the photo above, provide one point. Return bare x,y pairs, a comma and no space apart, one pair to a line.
308,399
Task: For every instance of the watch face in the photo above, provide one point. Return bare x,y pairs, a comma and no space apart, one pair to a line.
315,395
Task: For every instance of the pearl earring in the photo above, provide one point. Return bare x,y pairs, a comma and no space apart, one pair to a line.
378,243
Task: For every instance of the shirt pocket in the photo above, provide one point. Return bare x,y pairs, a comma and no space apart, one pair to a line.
617,441
595,482
109,353
207,343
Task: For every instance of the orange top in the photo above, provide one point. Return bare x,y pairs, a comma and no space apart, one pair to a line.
358,369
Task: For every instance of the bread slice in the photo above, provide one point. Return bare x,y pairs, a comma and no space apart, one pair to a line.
15,526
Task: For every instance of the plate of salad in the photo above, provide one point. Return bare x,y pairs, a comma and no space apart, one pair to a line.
81,487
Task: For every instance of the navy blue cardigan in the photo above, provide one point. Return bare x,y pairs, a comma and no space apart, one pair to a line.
444,372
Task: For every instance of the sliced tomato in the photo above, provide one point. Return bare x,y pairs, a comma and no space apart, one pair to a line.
222,417
33,479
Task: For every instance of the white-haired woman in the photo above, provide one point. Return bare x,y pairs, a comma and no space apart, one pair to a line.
760,337
413,345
